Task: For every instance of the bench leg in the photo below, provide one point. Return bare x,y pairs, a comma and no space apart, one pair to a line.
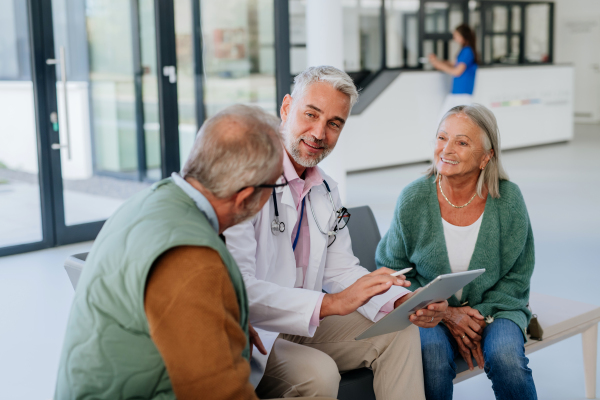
590,354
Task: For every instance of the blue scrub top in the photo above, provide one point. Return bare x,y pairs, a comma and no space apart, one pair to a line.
464,84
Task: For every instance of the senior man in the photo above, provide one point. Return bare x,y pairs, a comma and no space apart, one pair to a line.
160,311
297,245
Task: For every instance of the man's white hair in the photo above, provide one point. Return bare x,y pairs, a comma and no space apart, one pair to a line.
340,81
238,147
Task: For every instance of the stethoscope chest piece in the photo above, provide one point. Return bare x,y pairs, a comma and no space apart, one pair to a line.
277,226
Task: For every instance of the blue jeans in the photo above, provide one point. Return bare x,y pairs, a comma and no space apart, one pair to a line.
503,353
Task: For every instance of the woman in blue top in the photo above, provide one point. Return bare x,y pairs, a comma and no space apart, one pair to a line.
463,70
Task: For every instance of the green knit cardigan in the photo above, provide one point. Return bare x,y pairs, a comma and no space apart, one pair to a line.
504,248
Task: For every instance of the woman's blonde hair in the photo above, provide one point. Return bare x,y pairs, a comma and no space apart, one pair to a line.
486,121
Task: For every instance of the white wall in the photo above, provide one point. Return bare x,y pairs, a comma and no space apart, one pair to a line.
577,41
533,105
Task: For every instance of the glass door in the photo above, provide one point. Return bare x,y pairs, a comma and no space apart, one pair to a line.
82,100
21,216
108,144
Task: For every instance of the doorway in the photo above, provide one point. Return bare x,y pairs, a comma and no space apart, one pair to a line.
80,99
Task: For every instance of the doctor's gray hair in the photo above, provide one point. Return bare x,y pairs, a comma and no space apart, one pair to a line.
238,147
486,121
340,81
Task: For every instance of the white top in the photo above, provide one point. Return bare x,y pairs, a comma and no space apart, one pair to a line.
460,242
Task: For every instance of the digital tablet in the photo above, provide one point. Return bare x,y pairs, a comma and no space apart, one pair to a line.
439,289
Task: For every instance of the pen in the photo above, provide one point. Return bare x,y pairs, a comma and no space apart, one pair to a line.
401,272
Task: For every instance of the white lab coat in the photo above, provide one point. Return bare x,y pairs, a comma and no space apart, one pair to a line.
268,267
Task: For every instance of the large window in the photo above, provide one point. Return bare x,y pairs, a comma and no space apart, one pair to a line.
20,210
363,34
402,33
239,54
133,84
187,89
516,32
439,19
112,86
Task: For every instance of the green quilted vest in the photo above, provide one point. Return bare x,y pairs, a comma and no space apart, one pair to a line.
108,352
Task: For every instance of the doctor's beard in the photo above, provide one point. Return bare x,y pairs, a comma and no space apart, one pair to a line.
292,145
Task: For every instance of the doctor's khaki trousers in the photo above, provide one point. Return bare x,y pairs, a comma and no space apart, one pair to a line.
302,366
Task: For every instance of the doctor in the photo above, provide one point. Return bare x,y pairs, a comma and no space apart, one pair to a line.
298,244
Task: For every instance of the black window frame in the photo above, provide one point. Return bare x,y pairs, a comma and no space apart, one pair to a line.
509,33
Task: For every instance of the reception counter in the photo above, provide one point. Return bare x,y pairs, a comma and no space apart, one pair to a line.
533,105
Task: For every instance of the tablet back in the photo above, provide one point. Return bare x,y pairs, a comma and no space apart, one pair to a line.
441,288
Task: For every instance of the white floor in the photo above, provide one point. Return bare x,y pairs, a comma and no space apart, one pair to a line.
561,187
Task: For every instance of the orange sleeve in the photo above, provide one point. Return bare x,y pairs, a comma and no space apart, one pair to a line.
193,315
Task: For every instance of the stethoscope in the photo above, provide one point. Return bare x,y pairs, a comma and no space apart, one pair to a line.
278,227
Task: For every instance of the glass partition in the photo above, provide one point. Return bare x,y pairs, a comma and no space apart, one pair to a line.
537,35
516,32
149,70
112,86
20,213
436,17
362,32
402,33
369,31
186,79
298,57
507,32
440,19
239,54
107,99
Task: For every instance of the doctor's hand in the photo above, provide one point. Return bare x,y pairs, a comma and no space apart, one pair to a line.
255,341
357,295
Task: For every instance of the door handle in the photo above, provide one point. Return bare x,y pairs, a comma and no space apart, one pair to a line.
53,116
171,72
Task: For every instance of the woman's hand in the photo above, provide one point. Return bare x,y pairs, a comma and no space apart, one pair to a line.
427,317
432,59
466,323
464,351
468,354
478,354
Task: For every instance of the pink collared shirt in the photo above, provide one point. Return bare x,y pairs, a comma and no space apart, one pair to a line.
300,188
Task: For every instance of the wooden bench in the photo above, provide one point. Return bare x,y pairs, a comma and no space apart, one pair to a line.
560,318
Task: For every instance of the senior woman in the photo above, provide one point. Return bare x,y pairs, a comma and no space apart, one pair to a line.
466,215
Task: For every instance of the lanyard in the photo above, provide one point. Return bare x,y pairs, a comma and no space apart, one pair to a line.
299,225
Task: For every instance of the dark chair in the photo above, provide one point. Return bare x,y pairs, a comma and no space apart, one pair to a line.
364,232
74,265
